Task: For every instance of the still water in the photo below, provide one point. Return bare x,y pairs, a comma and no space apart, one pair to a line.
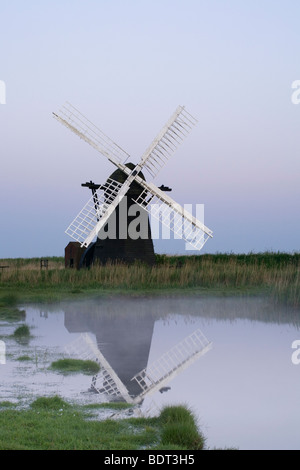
241,382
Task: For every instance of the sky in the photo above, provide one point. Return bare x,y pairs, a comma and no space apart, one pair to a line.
127,65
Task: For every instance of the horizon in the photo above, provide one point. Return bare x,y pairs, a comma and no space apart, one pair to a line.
265,253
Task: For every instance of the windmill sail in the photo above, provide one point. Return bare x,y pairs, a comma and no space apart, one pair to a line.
167,141
185,225
86,224
171,363
85,348
70,117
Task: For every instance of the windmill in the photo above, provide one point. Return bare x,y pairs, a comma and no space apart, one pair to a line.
119,336
129,180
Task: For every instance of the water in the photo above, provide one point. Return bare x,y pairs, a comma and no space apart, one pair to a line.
245,390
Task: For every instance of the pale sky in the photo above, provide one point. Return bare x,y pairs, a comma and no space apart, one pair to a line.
127,65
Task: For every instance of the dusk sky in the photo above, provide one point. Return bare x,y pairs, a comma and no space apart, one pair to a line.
127,65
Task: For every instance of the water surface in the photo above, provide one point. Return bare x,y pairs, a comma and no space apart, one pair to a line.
245,390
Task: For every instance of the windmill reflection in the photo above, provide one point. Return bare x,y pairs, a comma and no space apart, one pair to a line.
119,336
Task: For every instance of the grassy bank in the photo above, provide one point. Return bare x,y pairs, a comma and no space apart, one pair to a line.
275,273
52,424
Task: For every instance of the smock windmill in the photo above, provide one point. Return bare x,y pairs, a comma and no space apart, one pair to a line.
153,377
129,180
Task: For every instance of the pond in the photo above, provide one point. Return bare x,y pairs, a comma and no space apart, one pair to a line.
229,359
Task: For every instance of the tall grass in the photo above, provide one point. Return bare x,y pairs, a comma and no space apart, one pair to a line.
180,427
276,272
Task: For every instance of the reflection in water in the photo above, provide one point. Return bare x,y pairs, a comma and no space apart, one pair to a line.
124,340
123,331
133,389
245,391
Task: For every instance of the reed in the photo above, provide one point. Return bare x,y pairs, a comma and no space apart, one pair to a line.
277,273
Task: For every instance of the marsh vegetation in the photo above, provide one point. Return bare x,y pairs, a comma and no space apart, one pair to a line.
53,424
72,366
277,274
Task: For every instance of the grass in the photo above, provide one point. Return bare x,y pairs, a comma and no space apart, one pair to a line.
24,358
110,405
11,314
22,331
8,308
52,424
54,403
22,334
71,366
180,428
7,404
274,273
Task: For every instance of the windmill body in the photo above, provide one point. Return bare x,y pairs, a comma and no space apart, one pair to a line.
114,243
128,183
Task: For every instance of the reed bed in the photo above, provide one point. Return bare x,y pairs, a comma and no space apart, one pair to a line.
276,272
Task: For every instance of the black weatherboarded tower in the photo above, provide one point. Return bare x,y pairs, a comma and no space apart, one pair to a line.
126,237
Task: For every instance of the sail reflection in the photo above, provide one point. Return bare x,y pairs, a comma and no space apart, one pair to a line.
121,344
